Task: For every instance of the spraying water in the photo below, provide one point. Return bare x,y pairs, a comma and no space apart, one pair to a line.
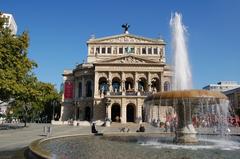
183,76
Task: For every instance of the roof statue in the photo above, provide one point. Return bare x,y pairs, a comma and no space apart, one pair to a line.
126,26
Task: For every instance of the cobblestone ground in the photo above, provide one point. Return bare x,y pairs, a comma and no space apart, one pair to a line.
15,139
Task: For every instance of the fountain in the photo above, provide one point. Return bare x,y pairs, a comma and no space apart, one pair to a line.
184,100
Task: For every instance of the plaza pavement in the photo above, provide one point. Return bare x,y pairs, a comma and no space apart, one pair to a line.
18,138
13,139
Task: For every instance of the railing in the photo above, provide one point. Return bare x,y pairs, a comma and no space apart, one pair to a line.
130,93
115,93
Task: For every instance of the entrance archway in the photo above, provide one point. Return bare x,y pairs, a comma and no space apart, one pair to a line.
115,112
130,112
87,114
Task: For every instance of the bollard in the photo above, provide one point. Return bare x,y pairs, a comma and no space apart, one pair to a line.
44,130
49,131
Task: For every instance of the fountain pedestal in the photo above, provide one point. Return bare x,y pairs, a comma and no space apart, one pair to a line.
185,132
186,135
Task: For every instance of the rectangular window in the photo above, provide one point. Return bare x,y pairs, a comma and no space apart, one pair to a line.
120,50
109,50
103,50
132,50
155,51
150,50
143,50
97,50
129,50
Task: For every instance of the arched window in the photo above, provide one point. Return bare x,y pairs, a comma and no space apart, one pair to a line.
167,86
103,86
116,84
155,84
142,84
129,84
89,89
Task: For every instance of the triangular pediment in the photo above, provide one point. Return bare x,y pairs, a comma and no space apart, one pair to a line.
128,59
126,38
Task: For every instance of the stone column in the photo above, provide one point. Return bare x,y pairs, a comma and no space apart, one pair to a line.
110,81
139,112
149,81
83,87
161,82
123,113
96,78
136,82
109,112
123,83
185,132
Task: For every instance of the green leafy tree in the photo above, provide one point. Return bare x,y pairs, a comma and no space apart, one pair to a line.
14,63
30,97
35,100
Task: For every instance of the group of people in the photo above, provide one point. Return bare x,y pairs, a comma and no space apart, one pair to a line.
141,129
211,120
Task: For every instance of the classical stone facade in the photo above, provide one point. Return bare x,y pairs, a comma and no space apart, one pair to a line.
119,73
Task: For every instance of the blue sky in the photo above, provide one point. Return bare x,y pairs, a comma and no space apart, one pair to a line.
59,30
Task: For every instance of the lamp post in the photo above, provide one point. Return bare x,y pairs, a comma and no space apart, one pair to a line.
76,103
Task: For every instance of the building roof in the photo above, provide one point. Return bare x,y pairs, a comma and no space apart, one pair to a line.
232,91
131,39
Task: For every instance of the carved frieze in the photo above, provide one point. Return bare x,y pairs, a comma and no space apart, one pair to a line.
116,74
102,74
142,75
129,59
114,101
126,39
155,75
129,75
133,101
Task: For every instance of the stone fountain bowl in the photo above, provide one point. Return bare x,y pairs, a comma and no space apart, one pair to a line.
131,145
183,94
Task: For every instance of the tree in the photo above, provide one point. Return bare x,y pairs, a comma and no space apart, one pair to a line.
14,63
34,101
30,97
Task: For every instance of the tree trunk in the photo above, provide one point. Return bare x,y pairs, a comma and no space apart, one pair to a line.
25,116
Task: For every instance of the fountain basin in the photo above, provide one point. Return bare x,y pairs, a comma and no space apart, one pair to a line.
133,145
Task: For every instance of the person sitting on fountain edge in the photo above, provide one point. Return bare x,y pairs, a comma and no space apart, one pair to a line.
141,128
94,131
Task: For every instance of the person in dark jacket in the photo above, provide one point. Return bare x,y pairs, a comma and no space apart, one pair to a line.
94,131
141,128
